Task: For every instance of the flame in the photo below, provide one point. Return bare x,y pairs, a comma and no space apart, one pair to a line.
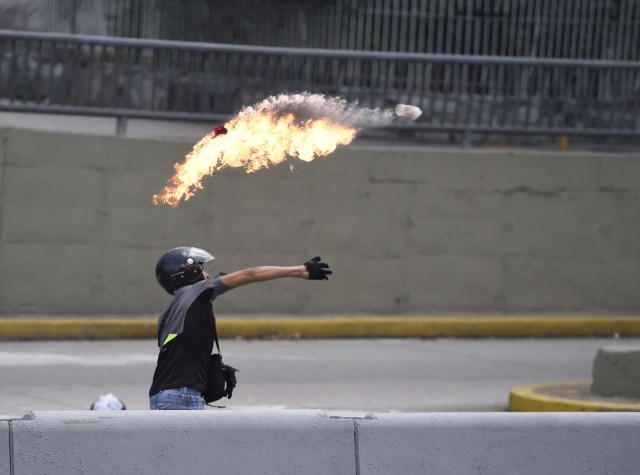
254,141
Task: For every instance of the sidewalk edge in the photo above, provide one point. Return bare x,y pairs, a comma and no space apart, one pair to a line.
23,328
528,398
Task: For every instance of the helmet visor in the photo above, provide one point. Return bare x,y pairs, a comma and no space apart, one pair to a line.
200,255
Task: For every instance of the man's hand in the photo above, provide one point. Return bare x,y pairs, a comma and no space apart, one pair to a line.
317,270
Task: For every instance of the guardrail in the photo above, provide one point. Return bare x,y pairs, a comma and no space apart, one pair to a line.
594,29
209,82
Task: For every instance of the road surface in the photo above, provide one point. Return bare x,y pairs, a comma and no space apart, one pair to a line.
343,377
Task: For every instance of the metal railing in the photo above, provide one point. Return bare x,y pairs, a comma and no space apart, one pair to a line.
210,82
580,29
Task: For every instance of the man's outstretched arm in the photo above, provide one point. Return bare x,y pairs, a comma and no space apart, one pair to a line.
313,269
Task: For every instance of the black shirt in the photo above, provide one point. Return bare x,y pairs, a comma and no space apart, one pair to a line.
186,332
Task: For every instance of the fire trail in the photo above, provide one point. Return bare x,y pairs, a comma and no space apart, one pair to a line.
300,126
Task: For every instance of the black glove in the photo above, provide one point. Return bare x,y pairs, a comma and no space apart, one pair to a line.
230,378
317,270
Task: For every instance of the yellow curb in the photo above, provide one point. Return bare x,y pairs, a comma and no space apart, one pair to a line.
75,328
22,328
430,327
531,398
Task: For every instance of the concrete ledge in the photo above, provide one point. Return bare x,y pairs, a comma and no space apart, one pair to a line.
309,442
182,442
499,443
29,328
574,396
5,460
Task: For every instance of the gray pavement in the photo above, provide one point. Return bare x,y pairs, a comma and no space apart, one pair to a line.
343,377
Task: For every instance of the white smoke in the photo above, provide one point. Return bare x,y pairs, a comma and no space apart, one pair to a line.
307,106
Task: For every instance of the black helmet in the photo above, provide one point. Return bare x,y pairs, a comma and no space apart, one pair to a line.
181,266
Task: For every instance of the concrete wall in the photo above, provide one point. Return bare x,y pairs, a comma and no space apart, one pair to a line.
288,442
407,230
5,448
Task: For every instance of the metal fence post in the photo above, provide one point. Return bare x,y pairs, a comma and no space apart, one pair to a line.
466,138
121,125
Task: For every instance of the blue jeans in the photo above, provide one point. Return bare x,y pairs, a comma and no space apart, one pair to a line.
188,399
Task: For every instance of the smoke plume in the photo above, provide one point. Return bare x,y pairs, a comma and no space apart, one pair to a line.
307,106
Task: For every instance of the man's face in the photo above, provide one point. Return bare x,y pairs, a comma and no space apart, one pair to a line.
205,274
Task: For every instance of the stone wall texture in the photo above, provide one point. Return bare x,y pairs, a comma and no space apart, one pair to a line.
406,229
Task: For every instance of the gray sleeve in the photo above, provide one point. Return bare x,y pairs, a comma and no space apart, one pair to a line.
216,284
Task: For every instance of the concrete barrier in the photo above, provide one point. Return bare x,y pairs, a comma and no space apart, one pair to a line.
616,372
5,448
221,442
499,444
309,442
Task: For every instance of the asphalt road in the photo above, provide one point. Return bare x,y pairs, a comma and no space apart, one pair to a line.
343,377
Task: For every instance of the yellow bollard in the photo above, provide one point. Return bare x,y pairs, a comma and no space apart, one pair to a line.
564,143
